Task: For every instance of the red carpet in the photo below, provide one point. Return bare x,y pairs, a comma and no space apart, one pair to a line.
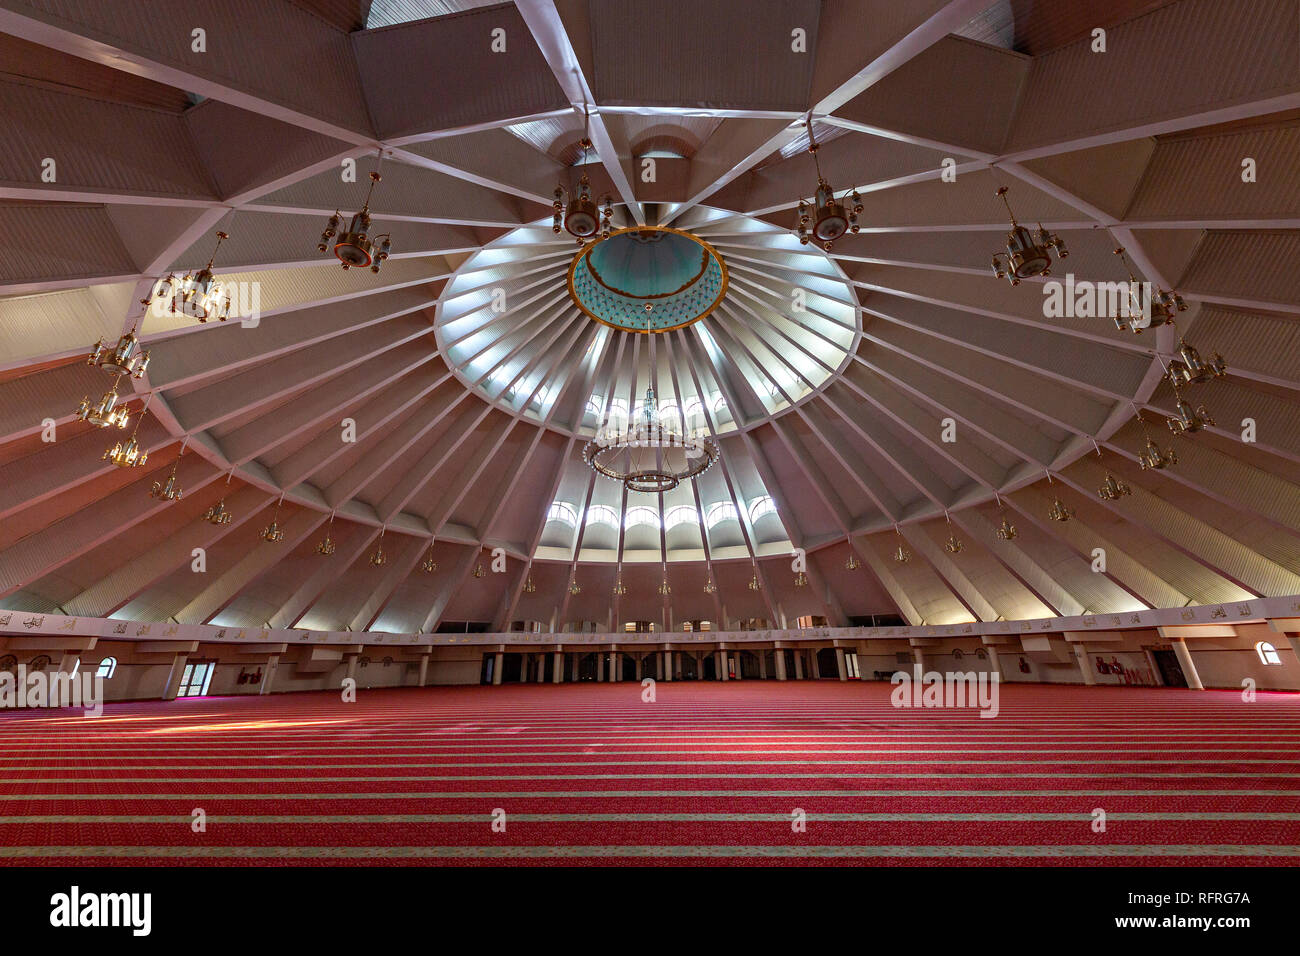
709,774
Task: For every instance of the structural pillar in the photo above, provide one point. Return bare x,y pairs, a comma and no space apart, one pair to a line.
816,667
1085,668
498,665
722,665
918,657
762,665
995,665
798,665
1186,663
615,666
424,671
174,677
840,665
780,663
268,676
739,664
541,668
557,667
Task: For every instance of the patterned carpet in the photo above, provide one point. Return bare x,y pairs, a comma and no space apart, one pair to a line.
708,774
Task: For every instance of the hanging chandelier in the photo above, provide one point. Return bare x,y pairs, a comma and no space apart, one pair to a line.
901,555
1059,512
573,587
326,544
1187,419
106,414
710,587
129,454
1149,311
1192,370
1112,489
428,565
217,514
852,564
355,246
273,532
801,580
1027,254
125,358
169,490
478,570
665,588
953,545
1008,531
619,588
754,584
577,212
649,456
377,557
830,217
196,294
1152,456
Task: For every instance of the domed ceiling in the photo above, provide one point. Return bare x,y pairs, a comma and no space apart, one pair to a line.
886,398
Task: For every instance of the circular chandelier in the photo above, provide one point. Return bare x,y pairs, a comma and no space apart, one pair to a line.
355,245
575,210
830,218
1027,254
648,455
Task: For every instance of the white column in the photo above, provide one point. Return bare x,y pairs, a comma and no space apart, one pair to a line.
739,662
600,666
573,670
498,665
637,673
780,663
1186,663
762,665
722,665
424,672
840,665
1085,668
557,667
268,675
816,667
798,664
995,665
352,666
541,668
615,666
173,685
918,656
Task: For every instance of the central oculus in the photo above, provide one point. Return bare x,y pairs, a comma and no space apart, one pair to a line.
648,279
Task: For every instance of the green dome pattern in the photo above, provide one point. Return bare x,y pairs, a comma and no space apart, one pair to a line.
648,279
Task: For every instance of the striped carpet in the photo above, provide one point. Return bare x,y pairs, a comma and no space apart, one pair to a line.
708,774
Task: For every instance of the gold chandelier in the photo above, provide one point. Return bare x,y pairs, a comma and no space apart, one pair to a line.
619,587
830,217
1027,254
852,564
125,358
1152,456
326,544
953,545
573,587
1187,419
1193,370
377,557
129,454
170,490
901,555
108,413
801,580
1159,310
355,246
665,588
196,294
1059,512
273,532
478,570
577,212
1112,489
428,565
1008,531
217,514
709,586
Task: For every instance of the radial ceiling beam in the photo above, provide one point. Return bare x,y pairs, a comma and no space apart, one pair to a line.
547,28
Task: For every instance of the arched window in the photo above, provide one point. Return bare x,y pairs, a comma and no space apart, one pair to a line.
1267,653
761,506
681,514
106,667
720,512
641,516
562,512
602,514
593,406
